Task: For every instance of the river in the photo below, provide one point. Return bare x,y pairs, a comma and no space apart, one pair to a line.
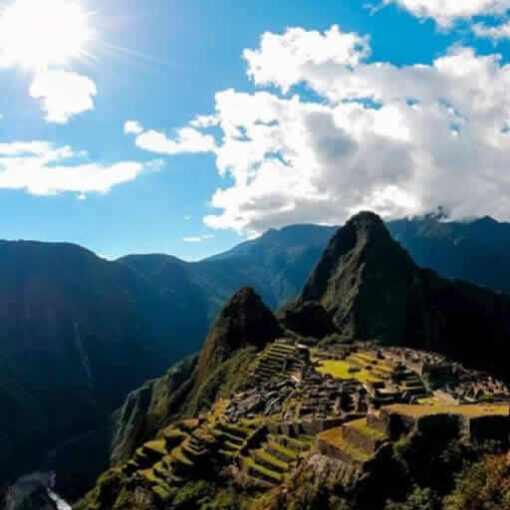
61,504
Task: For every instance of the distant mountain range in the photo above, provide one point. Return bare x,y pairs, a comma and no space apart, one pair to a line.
79,332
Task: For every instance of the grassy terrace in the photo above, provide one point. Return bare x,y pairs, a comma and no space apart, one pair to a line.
340,370
335,438
362,427
257,468
284,451
472,411
156,448
179,456
266,459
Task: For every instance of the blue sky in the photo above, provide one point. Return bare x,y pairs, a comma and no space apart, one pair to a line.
160,63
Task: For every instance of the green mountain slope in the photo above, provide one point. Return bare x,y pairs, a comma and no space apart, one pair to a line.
371,289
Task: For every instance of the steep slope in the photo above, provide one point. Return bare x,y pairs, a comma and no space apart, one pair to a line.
244,322
146,409
474,251
371,289
277,265
176,309
243,327
279,262
72,343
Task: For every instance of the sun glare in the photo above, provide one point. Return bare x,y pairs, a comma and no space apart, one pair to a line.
40,33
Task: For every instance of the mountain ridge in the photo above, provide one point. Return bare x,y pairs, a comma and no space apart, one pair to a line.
171,304
371,288
283,419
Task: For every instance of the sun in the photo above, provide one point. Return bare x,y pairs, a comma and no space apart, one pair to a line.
37,34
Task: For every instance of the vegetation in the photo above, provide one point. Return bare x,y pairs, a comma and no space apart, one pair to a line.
483,485
345,370
336,438
362,427
472,411
223,381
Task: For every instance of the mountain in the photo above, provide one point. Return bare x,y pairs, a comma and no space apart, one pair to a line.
269,416
277,264
243,327
371,289
245,321
75,322
473,251
175,305
74,340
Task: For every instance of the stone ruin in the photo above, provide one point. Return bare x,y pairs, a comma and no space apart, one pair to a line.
289,412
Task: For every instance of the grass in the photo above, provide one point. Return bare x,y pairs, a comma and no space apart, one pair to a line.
472,411
172,432
162,493
157,447
232,446
238,430
179,456
266,457
363,427
149,475
273,475
340,370
335,438
301,443
286,452
226,436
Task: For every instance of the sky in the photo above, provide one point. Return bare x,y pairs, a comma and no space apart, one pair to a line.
187,127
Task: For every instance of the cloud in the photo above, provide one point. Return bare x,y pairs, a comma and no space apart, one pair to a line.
204,121
297,51
132,127
496,32
359,134
198,239
42,168
187,140
63,94
447,12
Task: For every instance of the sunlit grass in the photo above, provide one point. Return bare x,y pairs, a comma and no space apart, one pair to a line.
344,370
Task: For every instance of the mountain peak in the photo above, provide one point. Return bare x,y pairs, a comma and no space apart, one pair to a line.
371,289
361,266
244,321
366,220
364,237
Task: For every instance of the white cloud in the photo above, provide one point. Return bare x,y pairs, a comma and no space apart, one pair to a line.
398,140
447,12
187,140
198,239
204,121
42,168
63,94
496,32
132,127
296,52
